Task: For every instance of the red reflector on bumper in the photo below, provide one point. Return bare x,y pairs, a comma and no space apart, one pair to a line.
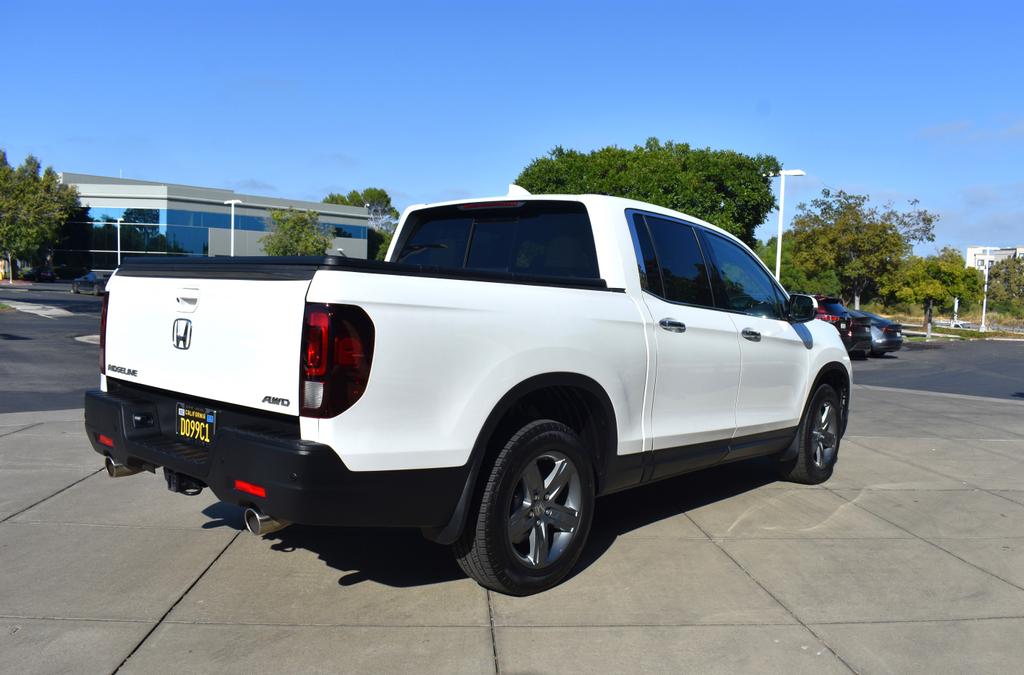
105,440
257,490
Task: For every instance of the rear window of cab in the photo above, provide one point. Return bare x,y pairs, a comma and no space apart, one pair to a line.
530,237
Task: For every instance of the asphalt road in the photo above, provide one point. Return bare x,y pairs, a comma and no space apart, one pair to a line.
42,366
977,368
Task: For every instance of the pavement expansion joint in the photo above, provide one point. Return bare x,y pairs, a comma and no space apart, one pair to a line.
774,597
932,543
176,602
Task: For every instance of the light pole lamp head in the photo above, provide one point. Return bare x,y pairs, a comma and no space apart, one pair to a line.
793,172
233,201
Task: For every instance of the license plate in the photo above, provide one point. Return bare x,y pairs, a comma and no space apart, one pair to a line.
899,333
842,325
196,425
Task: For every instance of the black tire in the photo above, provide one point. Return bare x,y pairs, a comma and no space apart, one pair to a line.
813,464
486,551
74,289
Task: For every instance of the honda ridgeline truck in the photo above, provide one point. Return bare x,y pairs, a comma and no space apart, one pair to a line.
513,359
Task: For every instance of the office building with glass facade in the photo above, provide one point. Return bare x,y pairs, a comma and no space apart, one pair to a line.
145,218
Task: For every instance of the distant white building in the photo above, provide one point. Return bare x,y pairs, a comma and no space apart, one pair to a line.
980,256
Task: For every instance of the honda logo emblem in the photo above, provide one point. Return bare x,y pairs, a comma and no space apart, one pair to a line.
181,338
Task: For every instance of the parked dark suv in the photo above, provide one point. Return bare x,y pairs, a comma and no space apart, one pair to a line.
90,282
855,331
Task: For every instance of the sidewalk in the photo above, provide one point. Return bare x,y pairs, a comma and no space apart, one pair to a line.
911,559
61,286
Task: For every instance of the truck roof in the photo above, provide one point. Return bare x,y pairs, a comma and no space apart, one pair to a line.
606,201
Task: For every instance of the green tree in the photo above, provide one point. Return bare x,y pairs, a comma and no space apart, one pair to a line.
1006,286
936,280
794,278
295,232
377,201
377,243
727,188
33,206
863,245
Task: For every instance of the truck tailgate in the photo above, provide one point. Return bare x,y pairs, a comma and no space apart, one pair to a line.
225,339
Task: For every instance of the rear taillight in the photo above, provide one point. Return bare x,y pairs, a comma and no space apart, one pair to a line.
337,350
831,318
103,333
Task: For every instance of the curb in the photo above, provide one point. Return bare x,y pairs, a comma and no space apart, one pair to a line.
939,394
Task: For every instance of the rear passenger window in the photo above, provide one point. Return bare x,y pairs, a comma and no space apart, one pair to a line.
684,273
534,238
748,288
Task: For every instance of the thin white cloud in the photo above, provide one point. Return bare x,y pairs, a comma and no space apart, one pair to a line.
947,130
983,196
341,158
967,132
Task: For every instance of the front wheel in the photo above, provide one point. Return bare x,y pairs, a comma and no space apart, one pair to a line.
817,440
535,513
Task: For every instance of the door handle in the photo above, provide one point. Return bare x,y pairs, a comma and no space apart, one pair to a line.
673,326
751,334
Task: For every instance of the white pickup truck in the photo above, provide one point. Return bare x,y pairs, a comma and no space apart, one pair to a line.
515,358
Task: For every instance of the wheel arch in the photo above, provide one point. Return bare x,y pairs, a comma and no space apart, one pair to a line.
835,374
576,400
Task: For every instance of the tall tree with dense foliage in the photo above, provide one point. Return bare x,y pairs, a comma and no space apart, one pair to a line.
33,205
794,278
726,188
936,280
294,232
377,243
864,245
1006,286
377,201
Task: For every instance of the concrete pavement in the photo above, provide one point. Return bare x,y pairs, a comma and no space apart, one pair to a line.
911,559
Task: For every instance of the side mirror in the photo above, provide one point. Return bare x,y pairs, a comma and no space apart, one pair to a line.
802,308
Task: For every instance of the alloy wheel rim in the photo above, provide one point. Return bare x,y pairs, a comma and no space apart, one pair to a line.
544,510
823,435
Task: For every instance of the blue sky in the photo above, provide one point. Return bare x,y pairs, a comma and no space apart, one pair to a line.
440,101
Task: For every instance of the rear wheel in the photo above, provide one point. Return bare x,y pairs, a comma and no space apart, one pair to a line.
817,440
535,513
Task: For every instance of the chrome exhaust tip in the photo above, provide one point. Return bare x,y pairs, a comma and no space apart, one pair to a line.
115,470
260,523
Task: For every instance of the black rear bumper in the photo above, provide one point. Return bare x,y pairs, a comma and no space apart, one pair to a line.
305,482
886,345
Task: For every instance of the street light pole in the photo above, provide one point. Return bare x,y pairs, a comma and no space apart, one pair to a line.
119,242
782,205
232,202
984,299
